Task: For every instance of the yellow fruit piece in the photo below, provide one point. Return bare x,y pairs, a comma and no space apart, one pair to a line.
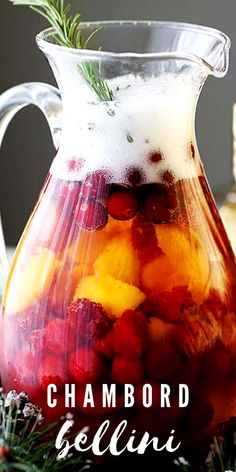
160,331
184,262
27,285
119,260
114,295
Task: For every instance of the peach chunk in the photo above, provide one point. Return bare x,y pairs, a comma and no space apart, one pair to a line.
119,260
27,285
114,295
184,262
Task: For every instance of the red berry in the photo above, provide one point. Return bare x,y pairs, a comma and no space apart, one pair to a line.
130,334
94,186
161,361
122,205
89,318
68,193
159,201
91,215
52,370
86,366
167,305
104,346
127,370
134,177
37,341
144,240
155,157
59,337
156,210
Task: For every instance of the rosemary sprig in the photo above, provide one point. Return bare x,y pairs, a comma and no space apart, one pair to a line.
25,445
68,33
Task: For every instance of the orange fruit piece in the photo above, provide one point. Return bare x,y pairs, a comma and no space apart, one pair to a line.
29,283
119,260
184,262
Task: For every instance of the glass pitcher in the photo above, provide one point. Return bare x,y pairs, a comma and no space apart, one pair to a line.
124,273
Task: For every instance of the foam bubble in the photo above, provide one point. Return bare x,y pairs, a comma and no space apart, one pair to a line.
147,116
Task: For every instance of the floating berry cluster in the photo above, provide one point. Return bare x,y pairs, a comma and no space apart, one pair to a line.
114,284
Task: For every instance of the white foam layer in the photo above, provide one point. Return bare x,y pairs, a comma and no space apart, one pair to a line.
150,116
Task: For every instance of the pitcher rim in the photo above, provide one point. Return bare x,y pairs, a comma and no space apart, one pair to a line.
44,44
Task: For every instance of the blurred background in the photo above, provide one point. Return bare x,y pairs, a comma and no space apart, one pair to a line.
27,149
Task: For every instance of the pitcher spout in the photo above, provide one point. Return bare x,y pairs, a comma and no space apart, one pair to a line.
215,53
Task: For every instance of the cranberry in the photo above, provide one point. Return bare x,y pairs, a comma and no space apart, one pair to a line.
156,209
68,194
161,361
94,186
89,319
134,177
143,237
155,157
127,370
91,215
59,337
130,334
52,370
122,205
86,366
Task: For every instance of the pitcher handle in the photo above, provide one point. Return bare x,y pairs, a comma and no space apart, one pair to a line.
47,98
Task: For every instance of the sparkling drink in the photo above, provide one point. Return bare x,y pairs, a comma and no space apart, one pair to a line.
124,274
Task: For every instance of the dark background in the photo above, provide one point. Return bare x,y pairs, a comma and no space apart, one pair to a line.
27,149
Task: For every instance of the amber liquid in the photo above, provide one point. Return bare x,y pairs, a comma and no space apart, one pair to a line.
126,284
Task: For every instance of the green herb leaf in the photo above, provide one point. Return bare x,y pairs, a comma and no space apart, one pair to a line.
129,138
68,33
